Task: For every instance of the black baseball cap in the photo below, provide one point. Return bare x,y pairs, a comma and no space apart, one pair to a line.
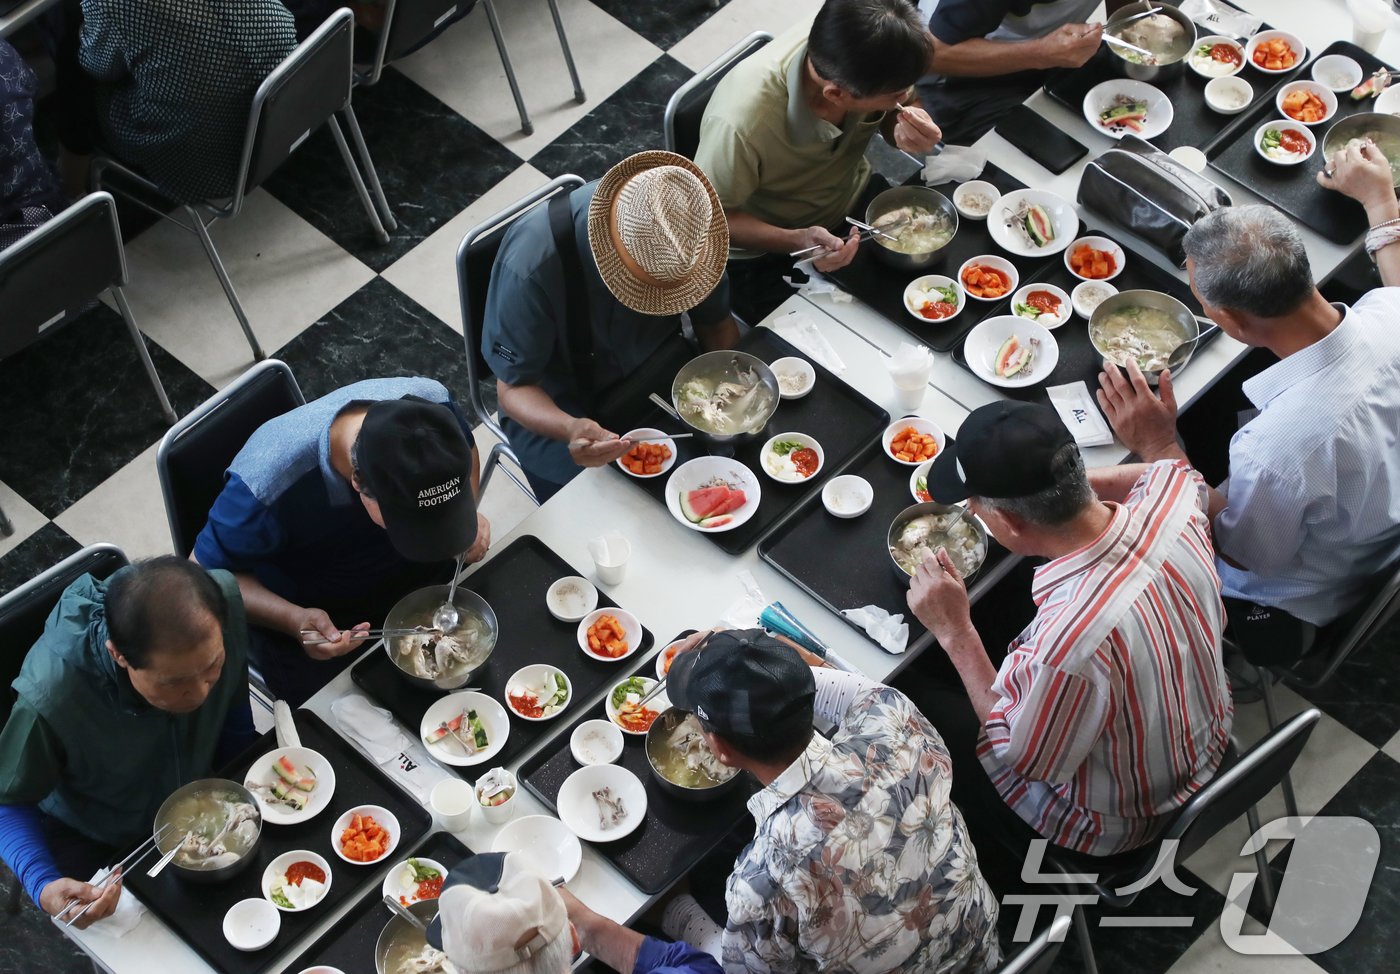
1003,449
416,462
743,683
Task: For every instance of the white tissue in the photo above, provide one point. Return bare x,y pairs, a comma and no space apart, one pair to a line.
374,731
1219,18
911,360
890,631
955,164
744,613
1079,414
816,284
802,331
124,918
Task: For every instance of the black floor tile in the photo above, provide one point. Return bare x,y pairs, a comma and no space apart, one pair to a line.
77,407
1364,696
29,941
432,162
626,123
662,23
42,549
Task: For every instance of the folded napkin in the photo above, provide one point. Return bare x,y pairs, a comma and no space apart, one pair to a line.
955,164
890,631
1079,414
124,918
1220,18
801,331
375,732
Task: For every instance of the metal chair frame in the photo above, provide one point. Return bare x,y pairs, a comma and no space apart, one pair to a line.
471,328
1039,954
42,236
716,68
202,215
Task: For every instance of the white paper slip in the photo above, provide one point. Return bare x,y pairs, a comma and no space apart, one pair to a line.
1079,414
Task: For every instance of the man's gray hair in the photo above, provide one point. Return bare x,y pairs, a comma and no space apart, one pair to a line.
1249,259
1055,505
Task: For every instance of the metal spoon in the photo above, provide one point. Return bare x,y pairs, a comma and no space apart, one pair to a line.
446,617
1145,13
159,867
666,407
1119,42
1179,354
404,913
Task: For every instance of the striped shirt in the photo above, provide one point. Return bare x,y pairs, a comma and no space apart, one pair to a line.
1113,706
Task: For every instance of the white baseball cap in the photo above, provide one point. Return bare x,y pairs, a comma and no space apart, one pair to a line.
495,912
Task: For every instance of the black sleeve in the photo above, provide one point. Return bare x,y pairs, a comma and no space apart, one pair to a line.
955,21
715,308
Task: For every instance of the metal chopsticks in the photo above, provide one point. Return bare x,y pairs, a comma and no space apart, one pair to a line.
113,876
318,639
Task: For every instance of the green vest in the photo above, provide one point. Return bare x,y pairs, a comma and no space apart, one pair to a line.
122,756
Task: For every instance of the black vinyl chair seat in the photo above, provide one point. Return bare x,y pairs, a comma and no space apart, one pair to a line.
686,108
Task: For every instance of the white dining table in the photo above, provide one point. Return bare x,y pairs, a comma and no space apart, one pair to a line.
676,579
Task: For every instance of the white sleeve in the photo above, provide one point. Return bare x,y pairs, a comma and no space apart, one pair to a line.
837,690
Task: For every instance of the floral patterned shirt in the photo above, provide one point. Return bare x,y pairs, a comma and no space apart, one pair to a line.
861,863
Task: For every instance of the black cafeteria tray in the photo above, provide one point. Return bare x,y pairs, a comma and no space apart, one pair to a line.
349,943
864,573
836,414
513,582
675,834
1294,189
882,286
1078,359
196,913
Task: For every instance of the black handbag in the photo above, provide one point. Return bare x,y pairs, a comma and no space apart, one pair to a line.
1148,193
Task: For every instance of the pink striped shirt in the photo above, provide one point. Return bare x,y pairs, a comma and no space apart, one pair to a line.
1113,704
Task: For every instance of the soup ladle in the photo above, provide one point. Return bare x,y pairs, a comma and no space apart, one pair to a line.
404,913
1182,352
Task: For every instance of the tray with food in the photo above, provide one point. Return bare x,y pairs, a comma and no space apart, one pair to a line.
369,938
769,428
665,801
880,517
1101,301
1281,142
274,846
539,609
896,284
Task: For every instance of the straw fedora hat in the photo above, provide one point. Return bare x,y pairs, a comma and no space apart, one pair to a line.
660,210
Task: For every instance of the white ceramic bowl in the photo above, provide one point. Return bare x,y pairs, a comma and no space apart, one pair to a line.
996,263
657,704
915,297
1066,308
304,758
394,885
252,924
1097,243
382,816
917,474
596,742
571,598
533,675
1063,216
1103,96
791,365
1211,40
667,651
1081,292
1218,88
847,496
1329,99
983,342
579,810
546,842
630,626
666,464
1285,123
980,186
800,438
1294,41
1190,157
1388,102
700,471
322,969
921,425
493,717
279,866
1337,72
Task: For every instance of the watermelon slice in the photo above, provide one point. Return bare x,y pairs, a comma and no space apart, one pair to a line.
288,794
442,730
286,770
705,502
1011,358
1039,227
716,521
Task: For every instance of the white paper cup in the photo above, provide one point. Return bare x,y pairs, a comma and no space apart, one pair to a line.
610,553
497,814
451,800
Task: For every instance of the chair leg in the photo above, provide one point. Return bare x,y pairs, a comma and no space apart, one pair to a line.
380,233
1261,862
526,126
166,409
202,232
1086,946
371,174
1266,690
579,96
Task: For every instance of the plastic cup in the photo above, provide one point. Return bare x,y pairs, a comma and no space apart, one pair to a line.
451,800
502,813
610,553
909,390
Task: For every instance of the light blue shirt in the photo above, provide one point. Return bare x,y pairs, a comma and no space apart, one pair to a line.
1314,490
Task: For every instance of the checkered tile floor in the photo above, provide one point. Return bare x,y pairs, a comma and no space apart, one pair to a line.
80,423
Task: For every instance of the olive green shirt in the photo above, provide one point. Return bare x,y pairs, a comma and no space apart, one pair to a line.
770,156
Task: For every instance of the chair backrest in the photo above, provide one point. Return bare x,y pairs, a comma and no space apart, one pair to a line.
81,247
194,454
1357,627
687,106
476,255
407,25
301,93
1039,955
24,611
1242,785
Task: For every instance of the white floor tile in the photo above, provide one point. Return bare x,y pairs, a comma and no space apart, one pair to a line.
287,274
463,69
125,509
428,273
737,20
25,518
1210,955
1393,747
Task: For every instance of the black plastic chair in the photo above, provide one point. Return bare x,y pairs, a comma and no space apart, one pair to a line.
304,92
476,255
687,106
194,454
82,249
1038,956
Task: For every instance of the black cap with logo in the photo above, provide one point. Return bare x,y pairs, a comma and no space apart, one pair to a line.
1004,449
743,683
416,462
